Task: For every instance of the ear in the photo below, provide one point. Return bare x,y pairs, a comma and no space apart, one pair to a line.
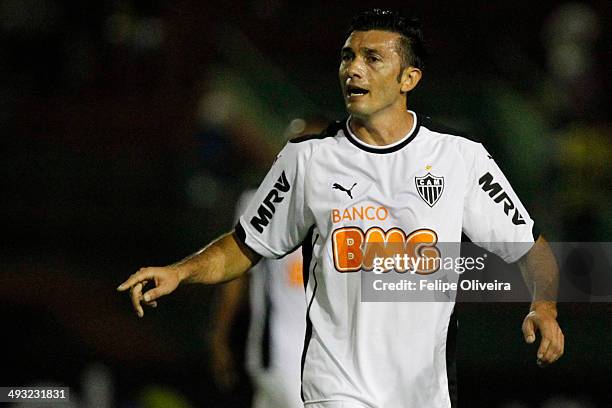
410,78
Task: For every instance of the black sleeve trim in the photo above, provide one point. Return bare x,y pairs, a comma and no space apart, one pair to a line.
241,234
536,233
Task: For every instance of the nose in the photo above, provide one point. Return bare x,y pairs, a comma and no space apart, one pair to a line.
354,68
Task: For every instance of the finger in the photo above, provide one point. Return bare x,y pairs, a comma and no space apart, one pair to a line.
142,275
528,330
546,361
136,296
145,298
557,346
154,294
556,356
555,349
551,354
544,345
146,301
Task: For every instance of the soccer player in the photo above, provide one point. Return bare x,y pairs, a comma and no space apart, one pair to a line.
384,170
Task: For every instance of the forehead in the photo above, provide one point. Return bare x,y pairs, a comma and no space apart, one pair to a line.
373,39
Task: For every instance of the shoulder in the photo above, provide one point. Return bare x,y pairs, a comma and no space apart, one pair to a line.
331,131
460,140
445,132
304,147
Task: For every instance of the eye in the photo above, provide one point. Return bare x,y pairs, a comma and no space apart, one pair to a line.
346,57
372,58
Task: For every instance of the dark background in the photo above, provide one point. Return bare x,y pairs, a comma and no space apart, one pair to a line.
130,128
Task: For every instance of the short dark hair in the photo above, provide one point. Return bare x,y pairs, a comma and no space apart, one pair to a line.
411,45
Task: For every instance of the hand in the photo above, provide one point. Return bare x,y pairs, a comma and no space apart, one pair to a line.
223,365
544,319
166,280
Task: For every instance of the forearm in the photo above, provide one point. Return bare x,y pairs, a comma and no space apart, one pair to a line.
541,274
222,260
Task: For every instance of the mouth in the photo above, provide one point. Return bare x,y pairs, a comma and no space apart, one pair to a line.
352,91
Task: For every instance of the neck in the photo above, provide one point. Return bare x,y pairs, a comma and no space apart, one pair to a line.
382,131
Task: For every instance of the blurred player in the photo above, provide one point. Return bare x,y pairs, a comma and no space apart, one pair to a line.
276,328
383,173
277,322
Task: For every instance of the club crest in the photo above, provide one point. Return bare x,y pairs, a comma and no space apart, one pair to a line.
430,188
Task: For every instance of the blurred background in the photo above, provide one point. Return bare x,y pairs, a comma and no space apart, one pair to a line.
130,128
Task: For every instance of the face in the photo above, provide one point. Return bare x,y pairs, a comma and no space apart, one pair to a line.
369,68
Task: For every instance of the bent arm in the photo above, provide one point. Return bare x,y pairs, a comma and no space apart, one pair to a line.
541,274
224,259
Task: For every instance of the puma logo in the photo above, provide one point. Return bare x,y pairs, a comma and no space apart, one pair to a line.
337,186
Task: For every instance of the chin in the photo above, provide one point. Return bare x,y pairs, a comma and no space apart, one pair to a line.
356,112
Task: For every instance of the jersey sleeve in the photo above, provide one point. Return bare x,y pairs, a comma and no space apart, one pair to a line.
493,215
277,220
243,203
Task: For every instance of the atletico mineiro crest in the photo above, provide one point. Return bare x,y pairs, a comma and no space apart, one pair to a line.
430,188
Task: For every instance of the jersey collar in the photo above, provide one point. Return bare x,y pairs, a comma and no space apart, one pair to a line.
383,149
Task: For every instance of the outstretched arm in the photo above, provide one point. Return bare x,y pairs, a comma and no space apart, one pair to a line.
224,259
541,275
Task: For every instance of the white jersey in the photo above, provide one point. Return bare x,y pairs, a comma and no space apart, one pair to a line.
332,192
277,326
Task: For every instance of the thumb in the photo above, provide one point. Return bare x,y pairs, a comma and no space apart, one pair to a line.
529,330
